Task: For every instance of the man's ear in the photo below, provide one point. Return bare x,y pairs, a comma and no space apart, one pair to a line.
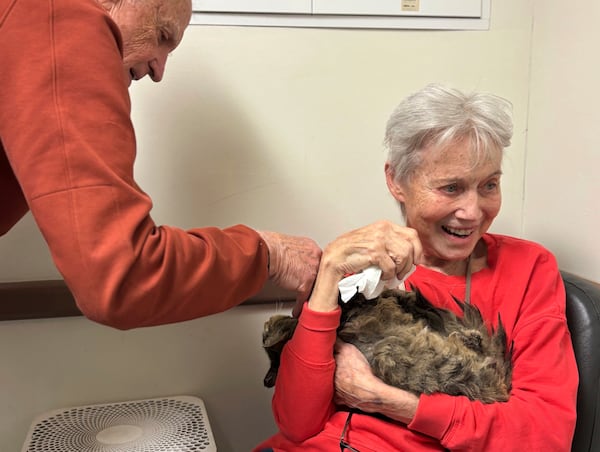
394,187
108,5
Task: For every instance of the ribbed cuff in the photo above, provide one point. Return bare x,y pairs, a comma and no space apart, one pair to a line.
315,334
434,415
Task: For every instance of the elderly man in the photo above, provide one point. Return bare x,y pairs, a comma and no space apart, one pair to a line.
67,149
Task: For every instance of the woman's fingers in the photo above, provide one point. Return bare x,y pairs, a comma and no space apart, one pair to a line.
391,247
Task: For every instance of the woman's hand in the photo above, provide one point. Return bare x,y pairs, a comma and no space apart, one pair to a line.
392,248
357,387
354,380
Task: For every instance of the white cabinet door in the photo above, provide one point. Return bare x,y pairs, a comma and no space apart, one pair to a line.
387,14
423,8
253,6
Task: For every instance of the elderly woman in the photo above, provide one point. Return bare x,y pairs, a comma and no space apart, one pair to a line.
67,151
444,169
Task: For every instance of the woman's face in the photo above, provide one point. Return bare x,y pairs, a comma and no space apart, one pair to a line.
451,200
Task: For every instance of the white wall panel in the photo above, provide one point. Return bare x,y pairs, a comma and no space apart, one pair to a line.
253,6
432,8
388,14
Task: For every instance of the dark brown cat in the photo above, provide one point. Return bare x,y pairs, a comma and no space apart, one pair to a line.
415,346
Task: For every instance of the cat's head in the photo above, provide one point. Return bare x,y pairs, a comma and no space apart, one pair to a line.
278,330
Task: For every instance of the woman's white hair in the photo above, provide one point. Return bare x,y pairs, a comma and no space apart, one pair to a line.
440,116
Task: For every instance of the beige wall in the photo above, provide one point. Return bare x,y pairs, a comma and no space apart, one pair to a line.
281,129
59,363
562,178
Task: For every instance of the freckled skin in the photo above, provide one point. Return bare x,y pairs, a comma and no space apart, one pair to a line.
451,189
151,29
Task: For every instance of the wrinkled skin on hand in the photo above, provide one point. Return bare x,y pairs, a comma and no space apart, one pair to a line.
293,263
357,387
391,247
352,377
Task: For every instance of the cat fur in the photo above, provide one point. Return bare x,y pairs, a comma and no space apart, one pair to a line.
415,346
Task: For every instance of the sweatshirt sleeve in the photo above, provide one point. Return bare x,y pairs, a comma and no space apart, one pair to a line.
540,413
303,399
66,130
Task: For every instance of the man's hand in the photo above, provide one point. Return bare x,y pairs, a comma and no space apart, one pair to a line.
293,263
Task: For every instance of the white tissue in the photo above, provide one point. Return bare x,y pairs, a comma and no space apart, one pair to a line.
369,283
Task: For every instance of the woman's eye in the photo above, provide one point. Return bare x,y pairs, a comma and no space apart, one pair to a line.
452,188
491,186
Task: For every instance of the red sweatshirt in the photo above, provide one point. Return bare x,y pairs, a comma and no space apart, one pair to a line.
522,284
67,150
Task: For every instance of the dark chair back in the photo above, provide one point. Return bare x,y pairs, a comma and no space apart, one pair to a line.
583,318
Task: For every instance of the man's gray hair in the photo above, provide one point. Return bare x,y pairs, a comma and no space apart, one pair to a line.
440,116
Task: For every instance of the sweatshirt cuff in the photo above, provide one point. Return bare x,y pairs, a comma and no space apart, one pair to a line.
434,415
315,334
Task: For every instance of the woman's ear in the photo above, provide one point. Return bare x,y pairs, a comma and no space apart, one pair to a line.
394,187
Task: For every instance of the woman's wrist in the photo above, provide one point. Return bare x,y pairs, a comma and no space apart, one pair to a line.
325,293
392,402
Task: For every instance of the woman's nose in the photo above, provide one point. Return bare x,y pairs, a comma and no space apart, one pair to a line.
469,207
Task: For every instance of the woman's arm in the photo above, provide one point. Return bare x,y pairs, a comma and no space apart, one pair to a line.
540,414
304,390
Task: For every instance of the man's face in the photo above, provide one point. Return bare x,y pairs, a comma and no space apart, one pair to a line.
151,29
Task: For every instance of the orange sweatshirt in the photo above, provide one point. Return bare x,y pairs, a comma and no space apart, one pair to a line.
67,150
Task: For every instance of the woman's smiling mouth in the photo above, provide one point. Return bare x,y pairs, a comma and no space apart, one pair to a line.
461,233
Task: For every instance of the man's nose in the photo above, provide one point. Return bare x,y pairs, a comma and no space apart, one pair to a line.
157,68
